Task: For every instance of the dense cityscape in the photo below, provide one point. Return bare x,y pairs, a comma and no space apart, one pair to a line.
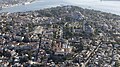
67,36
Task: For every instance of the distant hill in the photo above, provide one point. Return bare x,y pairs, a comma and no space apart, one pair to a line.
14,1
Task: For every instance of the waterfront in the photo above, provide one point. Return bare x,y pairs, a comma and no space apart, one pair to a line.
105,6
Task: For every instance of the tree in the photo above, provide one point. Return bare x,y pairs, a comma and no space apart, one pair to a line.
117,64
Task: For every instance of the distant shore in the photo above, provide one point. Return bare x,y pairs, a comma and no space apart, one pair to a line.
12,5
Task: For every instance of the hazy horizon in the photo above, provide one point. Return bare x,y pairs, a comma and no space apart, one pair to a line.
105,6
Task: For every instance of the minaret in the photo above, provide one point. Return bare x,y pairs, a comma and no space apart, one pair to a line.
83,25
